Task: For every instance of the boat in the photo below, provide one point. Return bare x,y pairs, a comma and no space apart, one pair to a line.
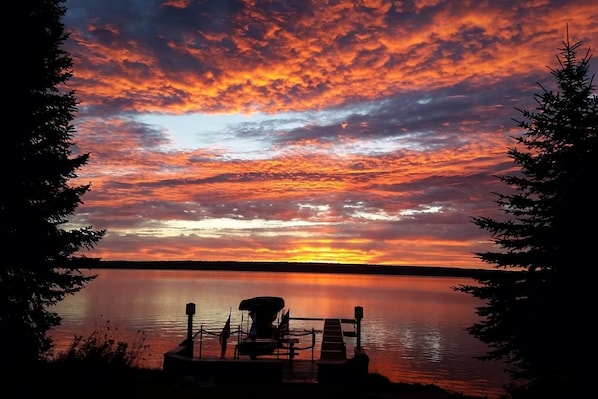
266,349
263,337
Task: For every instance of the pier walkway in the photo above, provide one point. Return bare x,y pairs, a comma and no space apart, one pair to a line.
333,341
333,366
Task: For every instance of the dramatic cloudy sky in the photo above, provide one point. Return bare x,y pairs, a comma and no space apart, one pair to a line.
337,131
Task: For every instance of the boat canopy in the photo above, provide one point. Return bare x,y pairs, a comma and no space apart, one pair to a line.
263,311
266,304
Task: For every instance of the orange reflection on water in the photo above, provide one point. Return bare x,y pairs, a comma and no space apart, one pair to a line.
413,328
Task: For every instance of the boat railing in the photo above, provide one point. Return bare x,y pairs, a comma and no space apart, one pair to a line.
284,338
286,344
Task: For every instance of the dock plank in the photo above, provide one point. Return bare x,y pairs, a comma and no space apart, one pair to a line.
333,342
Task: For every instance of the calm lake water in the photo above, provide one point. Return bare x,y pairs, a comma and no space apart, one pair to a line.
412,330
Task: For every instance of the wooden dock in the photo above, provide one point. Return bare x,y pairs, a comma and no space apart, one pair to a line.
333,354
333,366
333,341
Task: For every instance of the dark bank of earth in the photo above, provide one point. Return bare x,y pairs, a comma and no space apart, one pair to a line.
64,381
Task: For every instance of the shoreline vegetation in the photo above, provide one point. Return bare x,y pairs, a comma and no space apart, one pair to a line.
301,267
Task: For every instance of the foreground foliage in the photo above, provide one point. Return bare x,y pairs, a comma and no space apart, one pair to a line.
534,318
102,349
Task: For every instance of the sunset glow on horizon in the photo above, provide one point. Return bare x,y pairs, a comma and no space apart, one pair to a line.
305,131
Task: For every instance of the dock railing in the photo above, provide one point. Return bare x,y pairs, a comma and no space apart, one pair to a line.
332,341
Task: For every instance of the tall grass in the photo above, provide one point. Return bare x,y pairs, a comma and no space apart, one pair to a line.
101,348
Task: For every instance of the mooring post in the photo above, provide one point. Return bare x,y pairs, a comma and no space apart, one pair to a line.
190,311
358,317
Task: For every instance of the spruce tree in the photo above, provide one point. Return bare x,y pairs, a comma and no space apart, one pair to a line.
535,313
41,262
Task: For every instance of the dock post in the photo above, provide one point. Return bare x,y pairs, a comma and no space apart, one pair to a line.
190,311
358,317
200,340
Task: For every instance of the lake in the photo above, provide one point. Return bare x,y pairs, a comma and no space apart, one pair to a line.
413,328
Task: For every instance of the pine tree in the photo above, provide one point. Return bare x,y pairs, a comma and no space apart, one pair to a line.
39,265
533,317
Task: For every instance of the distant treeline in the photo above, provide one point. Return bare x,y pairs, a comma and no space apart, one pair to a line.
297,267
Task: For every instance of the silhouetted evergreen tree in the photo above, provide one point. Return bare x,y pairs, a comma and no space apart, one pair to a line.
536,317
39,265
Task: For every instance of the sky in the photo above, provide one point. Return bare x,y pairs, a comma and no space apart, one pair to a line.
334,131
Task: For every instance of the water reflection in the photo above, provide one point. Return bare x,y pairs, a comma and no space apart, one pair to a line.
413,327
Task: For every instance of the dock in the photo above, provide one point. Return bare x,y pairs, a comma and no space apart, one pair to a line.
333,352
333,366
333,341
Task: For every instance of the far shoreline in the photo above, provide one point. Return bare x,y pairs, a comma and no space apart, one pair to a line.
300,267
